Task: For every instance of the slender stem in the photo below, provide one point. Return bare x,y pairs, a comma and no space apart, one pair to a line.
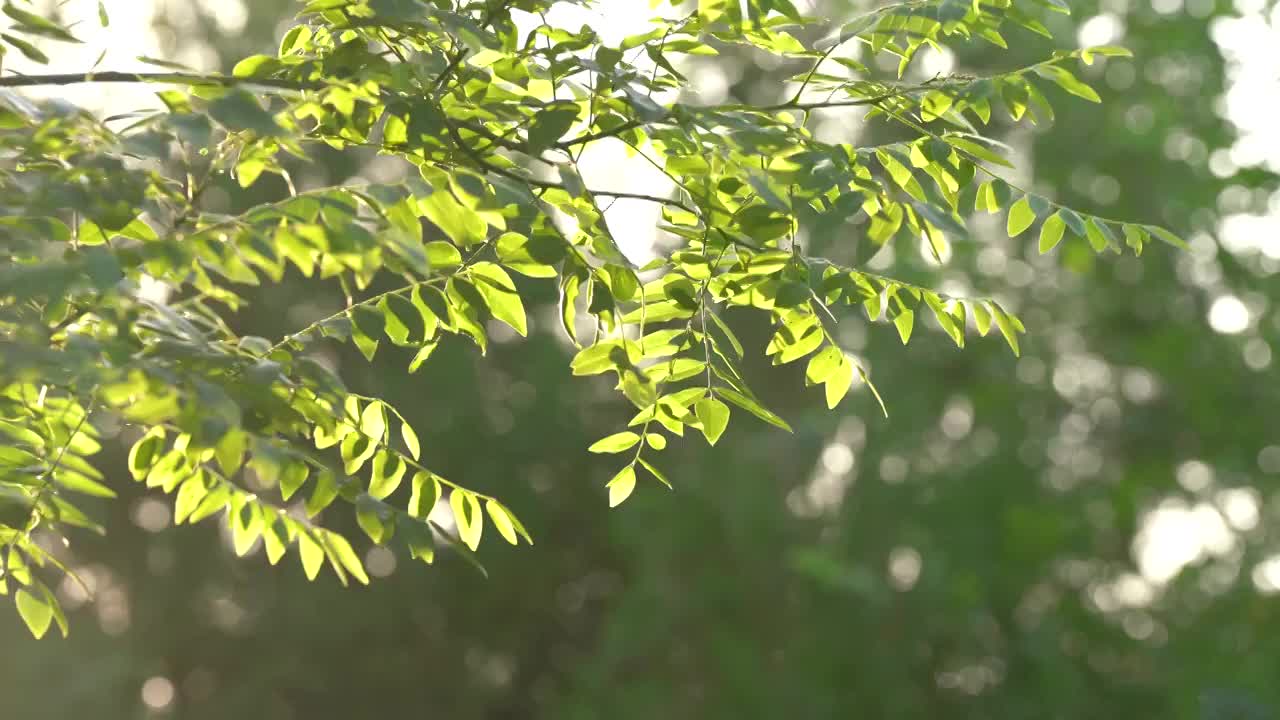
46,478
175,78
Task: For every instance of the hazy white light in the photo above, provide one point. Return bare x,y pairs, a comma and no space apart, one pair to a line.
1139,386
1175,535
1132,590
837,458
1257,354
380,562
904,567
1249,43
1266,575
151,514
1240,505
1228,315
157,692
937,61
1103,29
1269,459
129,35
230,15
893,469
1194,476
957,420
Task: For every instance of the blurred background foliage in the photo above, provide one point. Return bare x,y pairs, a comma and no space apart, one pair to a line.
1097,538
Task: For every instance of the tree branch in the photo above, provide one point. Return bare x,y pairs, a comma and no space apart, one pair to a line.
793,104
175,78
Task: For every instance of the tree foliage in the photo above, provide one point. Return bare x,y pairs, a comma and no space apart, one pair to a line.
120,290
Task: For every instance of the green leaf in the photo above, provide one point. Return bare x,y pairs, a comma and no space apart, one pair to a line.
1020,217
230,451
31,23
145,453
981,317
410,440
373,519
417,536
190,493
502,521
655,472
986,198
292,478
615,443
296,38
29,51
403,322
239,110
549,125
373,421
734,342
1098,234
1135,237
838,383
466,514
500,293
442,255
1007,328
423,354
323,493
1167,236
823,364
76,482
714,416
621,486
36,612
426,493
465,307
905,321
341,555
1051,232
245,519
388,470
461,224
753,407
311,554
977,150
255,66
1073,221
355,450
934,105
274,537
530,256
1068,82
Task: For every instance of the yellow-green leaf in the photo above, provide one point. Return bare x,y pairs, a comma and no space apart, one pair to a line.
1051,232
426,492
1020,217
714,416
499,292
311,554
466,514
35,612
615,443
621,486
838,383
388,469
502,521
